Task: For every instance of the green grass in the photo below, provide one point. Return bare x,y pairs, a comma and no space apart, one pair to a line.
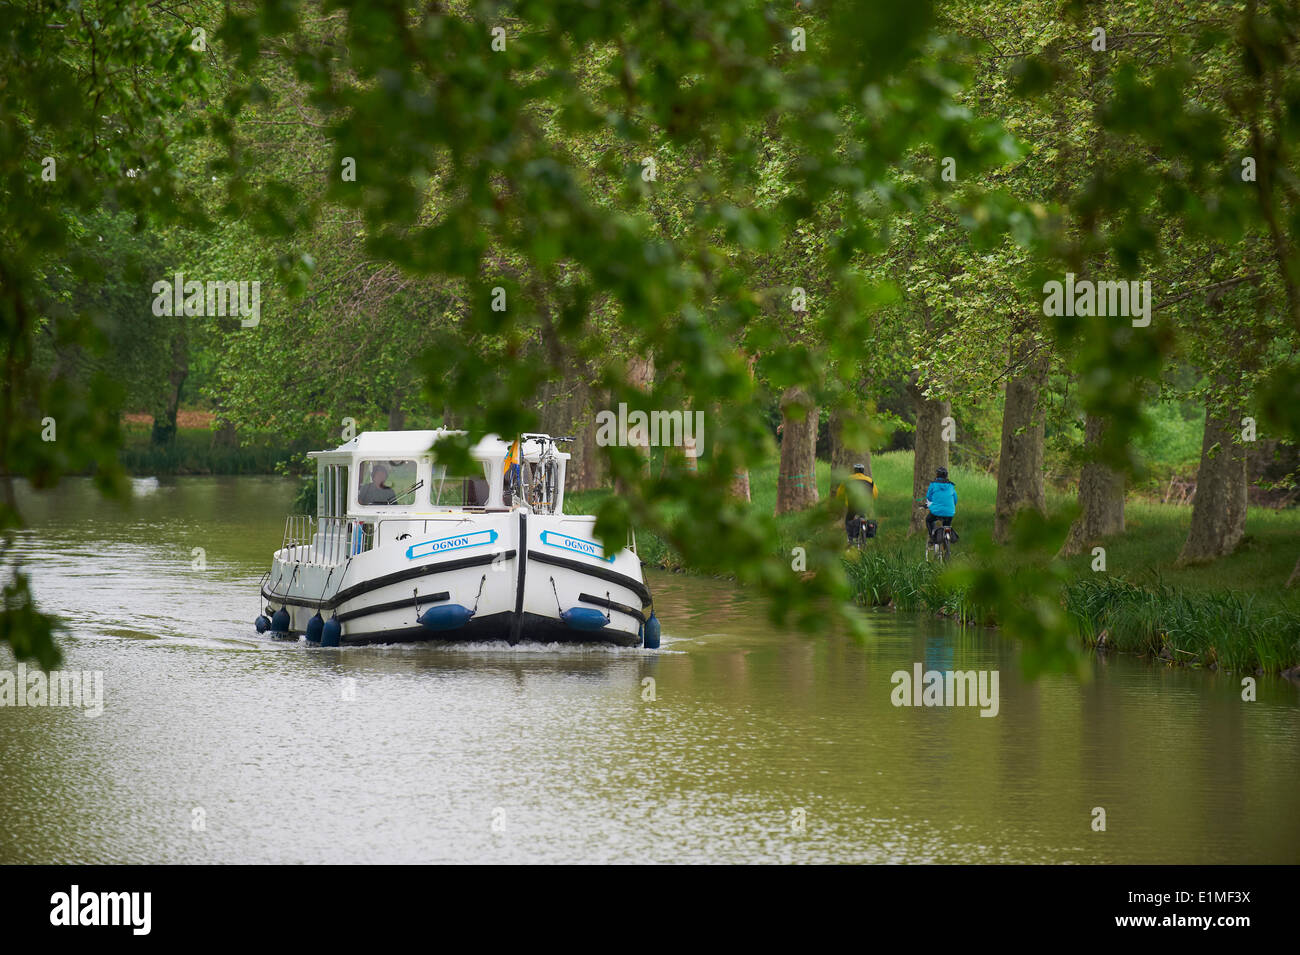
1233,612
897,579
1229,628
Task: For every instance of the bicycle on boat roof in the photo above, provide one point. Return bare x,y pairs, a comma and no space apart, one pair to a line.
541,487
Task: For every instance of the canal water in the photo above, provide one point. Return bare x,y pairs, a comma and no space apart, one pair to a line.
735,742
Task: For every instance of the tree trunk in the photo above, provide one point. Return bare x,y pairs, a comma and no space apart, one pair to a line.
575,421
641,376
1101,497
585,471
1219,508
1020,463
740,486
931,450
225,436
164,420
843,456
796,484
740,480
551,409
566,411
593,464
690,446
1295,575
396,416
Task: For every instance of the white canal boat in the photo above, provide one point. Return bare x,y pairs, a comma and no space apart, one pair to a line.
401,550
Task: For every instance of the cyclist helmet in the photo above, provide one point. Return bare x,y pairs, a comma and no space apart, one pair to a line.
859,469
941,474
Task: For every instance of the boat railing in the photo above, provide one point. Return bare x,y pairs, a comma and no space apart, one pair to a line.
325,540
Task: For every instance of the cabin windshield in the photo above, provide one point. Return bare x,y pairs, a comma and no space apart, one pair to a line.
459,491
385,482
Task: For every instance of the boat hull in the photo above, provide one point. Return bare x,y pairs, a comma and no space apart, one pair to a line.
517,576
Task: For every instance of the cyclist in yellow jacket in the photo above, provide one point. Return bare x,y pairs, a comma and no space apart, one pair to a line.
861,507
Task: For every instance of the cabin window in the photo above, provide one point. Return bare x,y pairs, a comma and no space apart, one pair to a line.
332,490
470,491
385,482
341,486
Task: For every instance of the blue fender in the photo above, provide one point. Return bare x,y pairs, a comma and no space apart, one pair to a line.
314,627
446,617
331,632
584,618
651,639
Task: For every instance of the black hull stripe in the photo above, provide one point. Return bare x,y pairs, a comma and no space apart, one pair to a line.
613,605
517,623
390,636
366,586
367,611
274,598
604,573
394,605
498,627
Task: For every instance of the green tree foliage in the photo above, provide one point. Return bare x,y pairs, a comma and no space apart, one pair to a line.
90,91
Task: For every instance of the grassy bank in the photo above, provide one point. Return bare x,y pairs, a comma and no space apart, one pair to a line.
195,451
1234,612
1234,629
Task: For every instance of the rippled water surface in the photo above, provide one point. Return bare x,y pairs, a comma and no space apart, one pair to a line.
219,745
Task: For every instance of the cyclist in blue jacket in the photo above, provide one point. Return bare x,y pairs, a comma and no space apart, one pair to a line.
941,500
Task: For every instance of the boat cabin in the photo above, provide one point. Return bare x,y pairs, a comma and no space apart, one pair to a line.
395,473
384,486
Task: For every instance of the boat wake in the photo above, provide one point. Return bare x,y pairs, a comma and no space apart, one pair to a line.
496,648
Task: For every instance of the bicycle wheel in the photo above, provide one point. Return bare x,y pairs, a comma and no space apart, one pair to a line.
552,484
